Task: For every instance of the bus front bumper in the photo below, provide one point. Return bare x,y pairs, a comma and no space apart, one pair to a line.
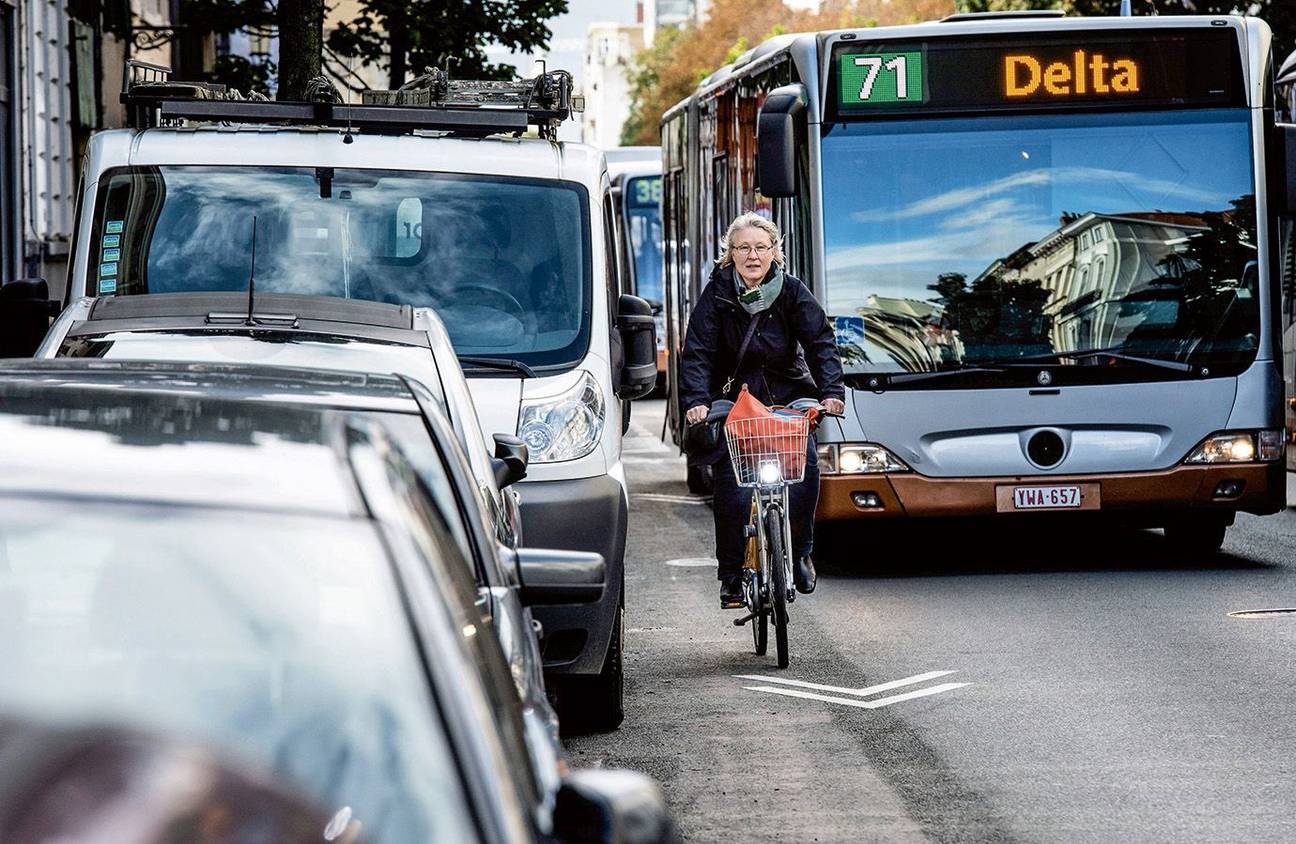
910,495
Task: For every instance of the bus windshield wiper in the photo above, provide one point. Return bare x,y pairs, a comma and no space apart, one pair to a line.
1114,353
498,363
882,380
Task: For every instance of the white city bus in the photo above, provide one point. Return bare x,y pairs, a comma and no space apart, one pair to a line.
1047,246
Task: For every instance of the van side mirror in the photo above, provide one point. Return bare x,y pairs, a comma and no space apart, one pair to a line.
776,138
25,313
609,805
638,331
559,577
510,461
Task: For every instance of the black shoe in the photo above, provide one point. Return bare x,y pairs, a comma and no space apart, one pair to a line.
804,575
731,594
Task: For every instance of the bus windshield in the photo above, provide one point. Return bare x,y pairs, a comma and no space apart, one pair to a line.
643,217
505,262
954,242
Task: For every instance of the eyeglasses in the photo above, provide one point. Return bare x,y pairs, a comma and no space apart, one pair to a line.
760,249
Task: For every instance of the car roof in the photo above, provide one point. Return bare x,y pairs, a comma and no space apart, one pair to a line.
116,432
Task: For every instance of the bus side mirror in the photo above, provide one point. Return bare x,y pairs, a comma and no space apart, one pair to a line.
25,312
776,140
638,332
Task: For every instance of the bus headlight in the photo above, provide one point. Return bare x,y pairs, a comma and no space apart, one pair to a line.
1239,447
861,459
564,427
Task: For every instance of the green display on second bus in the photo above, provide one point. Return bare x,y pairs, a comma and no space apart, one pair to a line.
1165,68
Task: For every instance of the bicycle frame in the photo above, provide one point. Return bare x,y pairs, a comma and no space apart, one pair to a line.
764,498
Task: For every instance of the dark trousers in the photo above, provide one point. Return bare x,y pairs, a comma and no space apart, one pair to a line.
732,508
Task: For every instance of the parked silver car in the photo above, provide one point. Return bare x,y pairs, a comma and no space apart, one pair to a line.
277,578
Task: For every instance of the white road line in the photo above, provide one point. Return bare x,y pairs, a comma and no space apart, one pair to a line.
864,692
671,499
859,704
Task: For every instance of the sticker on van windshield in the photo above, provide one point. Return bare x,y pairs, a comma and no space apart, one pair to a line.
849,330
106,270
111,241
107,285
112,255
113,226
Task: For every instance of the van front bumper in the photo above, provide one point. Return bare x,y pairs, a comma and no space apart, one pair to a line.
586,514
910,495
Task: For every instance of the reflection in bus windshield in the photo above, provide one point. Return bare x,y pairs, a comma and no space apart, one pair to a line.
955,241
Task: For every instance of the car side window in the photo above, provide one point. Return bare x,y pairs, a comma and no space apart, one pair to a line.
426,528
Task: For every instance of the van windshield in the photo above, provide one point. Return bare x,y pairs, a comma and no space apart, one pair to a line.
504,261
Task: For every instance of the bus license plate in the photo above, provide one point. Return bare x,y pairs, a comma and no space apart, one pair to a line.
1045,497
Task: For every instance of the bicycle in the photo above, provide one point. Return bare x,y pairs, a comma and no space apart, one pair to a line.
769,455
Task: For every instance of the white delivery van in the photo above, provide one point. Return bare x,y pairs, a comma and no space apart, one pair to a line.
418,198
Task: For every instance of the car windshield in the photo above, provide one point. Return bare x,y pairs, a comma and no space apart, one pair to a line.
505,262
281,639
953,242
644,230
266,348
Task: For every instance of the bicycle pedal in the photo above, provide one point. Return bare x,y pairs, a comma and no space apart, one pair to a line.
749,531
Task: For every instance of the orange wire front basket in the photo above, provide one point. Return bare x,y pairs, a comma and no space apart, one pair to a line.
766,448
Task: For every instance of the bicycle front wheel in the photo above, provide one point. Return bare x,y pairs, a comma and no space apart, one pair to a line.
778,581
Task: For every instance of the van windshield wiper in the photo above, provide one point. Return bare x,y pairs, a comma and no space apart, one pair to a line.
497,363
1114,353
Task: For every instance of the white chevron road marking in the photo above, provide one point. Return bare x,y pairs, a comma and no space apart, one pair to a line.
799,689
856,702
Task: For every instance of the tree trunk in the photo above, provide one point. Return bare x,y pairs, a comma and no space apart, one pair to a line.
301,35
398,43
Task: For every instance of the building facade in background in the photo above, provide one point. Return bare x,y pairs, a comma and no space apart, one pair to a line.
610,50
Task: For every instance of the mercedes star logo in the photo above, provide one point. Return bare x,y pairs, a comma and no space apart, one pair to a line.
1044,378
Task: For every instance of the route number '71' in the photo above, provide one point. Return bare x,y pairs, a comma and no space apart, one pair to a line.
875,65
882,78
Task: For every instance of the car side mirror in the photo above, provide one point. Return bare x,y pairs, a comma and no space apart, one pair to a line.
638,331
510,461
655,305
25,313
609,805
776,139
559,577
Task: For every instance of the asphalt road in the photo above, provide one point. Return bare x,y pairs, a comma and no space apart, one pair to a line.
1108,694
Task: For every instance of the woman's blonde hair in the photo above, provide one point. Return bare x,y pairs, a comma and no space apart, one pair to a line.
752,220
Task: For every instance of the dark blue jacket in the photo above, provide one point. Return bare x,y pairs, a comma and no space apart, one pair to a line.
792,355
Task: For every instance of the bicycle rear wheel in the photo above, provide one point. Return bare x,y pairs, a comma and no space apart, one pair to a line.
778,581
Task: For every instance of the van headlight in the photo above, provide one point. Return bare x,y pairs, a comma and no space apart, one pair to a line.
1239,447
564,427
861,459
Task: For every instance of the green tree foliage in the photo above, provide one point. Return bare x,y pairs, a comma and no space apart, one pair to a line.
412,36
1279,14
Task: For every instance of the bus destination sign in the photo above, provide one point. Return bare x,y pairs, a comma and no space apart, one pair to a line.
1146,68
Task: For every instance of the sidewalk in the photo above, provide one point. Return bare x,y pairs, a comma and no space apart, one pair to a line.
1291,489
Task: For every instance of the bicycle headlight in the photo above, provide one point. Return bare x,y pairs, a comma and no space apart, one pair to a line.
770,472
1239,447
563,427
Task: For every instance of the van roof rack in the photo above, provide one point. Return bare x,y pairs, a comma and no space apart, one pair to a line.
432,101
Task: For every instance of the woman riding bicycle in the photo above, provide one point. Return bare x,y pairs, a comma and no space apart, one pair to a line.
754,324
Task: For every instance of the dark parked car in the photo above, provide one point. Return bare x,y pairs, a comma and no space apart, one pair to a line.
279,580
